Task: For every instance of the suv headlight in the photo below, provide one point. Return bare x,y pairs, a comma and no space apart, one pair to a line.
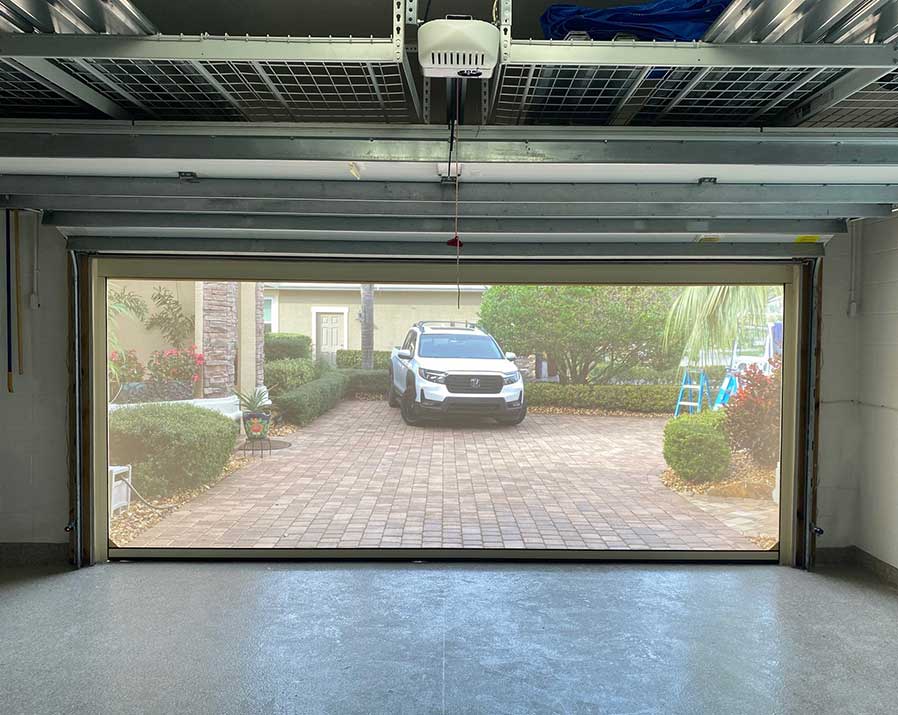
432,375
510,378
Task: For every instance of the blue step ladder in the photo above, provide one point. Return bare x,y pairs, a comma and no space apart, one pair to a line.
693,393
728,387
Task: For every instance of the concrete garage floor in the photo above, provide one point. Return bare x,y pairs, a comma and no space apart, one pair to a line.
358,477
237,638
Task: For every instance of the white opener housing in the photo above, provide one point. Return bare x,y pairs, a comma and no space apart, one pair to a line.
458,48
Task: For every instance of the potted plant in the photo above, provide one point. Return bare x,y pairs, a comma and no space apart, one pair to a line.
256,413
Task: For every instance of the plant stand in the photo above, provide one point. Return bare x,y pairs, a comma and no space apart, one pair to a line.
262,443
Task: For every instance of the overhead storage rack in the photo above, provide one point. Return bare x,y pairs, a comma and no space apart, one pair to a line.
258,79
782,63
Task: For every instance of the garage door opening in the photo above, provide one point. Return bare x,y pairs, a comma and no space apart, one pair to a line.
300,416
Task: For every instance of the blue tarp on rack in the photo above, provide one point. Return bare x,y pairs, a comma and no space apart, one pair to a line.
660,20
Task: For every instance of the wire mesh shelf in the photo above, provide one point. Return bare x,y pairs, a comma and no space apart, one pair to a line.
260,91
26,96
875,106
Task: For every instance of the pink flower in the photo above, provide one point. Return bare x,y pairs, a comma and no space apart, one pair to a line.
113,356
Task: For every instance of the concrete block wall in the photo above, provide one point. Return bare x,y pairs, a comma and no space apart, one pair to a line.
34,474
837,494
877,391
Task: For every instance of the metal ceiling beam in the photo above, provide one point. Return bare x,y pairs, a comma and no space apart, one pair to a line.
198,48
838,91
626,109
283,49
438,226
698,54
786,93
470,193
419,144
49,73
683,93
403,249
536,211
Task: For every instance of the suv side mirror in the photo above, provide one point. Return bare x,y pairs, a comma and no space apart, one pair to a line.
404,354
510,356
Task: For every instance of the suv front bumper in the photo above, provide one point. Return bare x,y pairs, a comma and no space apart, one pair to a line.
435,398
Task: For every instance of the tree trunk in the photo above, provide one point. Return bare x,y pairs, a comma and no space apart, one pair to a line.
367,320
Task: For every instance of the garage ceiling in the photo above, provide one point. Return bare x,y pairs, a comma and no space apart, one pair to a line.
200,137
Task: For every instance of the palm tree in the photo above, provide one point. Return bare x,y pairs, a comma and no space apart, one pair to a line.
712,318
367,320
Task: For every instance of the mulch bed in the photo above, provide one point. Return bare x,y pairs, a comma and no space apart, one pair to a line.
546,410
745,480
128,524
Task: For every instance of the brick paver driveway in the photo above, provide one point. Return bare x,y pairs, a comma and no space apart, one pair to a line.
359,477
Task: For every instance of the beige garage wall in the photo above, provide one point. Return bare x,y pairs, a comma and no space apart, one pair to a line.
395,310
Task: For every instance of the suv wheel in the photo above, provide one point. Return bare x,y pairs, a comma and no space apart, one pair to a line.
517,419
408,406
392,399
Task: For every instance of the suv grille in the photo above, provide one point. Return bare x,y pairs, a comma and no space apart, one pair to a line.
474,384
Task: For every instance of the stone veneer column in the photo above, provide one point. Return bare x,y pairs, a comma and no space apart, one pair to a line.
260,334
219,346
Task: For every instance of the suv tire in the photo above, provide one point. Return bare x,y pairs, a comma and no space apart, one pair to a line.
517,419
408,406
392,398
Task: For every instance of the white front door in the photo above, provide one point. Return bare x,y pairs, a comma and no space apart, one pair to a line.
329,336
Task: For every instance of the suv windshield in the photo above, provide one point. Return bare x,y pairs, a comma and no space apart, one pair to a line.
478,347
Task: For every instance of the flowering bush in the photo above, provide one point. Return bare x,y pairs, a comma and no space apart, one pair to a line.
179,364
124,366
753,414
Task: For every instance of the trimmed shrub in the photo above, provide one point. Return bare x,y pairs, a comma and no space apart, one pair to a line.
696,446
622,398
369,381
170,447
289,373
280,346
353,359
303,404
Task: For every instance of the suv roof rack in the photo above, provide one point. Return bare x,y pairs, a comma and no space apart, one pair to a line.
457,324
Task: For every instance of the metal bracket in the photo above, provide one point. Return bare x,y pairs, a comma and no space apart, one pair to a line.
425,95
397,21
484,101
411,12
505,29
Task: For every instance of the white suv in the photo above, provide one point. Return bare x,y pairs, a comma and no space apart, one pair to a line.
448,367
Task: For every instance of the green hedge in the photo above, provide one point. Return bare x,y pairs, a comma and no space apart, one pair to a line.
289,373
170,447
353,359
306,402
370,381
696,446
280,346
623,398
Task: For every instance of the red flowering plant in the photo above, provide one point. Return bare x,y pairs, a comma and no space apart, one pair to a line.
178,364
124,366
753,414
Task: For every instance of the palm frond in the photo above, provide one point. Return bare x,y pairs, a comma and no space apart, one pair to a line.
710,318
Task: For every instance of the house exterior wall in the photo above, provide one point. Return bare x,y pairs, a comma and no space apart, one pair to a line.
394,311
220,315
132,334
